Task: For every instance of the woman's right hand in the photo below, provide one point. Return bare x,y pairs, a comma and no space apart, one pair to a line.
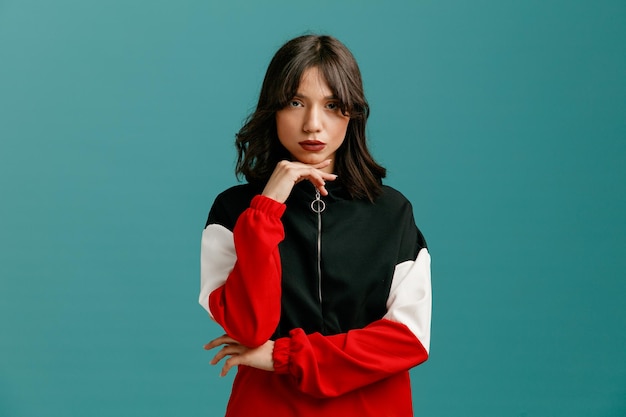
287,174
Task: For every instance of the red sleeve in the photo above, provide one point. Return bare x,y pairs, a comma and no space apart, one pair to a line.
328,366
247,306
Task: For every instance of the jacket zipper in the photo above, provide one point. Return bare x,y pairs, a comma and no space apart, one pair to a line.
318,206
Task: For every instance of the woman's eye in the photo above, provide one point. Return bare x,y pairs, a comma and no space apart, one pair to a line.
332,106
294,103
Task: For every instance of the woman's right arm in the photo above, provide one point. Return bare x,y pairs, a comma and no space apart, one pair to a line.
241,272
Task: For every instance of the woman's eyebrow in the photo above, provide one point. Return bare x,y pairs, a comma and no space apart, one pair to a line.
331,97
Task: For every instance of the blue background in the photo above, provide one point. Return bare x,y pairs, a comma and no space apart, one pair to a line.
504,123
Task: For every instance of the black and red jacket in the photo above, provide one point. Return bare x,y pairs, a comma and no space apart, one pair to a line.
341,285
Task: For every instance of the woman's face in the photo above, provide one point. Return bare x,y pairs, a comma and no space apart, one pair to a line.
311,127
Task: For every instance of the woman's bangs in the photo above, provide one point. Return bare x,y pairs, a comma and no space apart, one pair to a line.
289,87
338,83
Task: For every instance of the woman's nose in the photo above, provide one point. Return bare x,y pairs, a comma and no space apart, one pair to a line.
312,122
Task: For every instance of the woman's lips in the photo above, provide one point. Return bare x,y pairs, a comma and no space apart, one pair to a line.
312,145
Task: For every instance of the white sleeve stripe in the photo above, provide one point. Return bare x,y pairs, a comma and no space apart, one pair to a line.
410,298
217,259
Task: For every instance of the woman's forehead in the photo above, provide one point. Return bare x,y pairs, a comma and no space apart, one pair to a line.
325,78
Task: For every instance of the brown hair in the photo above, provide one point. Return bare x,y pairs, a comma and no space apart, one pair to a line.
258,147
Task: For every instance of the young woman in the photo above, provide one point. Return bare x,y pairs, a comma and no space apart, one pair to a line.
314,269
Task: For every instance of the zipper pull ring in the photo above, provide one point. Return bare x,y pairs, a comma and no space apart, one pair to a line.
318,204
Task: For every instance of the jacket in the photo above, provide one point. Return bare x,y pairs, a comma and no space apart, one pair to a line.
341,285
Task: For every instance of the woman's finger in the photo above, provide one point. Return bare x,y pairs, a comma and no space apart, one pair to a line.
318,179
226,351
229,363
222,340
322,164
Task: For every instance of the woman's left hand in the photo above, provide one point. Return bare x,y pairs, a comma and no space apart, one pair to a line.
260,357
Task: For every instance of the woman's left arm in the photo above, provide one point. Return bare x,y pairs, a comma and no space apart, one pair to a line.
328,366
